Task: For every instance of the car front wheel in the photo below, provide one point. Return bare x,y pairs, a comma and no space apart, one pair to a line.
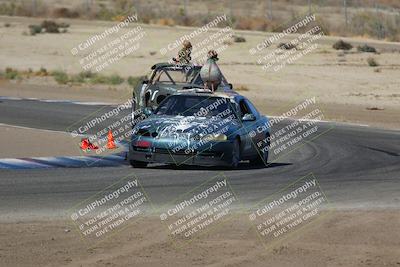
235,154
262,157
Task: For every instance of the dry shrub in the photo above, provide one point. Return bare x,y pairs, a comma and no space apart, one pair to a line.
372,62
377,25
164,22
23,8
239,39
342,45
242,88
63,12
392,3
119,18
254,24
366,48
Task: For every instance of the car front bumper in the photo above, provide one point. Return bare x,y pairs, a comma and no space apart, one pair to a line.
212,154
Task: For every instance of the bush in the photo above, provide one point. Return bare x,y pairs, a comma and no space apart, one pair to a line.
82,77
241,88
115,79
42,72
64,12
253,23
35,29
376,25
372,62
105,13
164,22
366,48
11,74
50,26
99,79
342,45
239,39
60,77
133,81
102,79
7,9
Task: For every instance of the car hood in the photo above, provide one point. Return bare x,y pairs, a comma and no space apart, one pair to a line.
173,126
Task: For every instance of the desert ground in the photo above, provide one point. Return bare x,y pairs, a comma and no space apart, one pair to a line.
342,238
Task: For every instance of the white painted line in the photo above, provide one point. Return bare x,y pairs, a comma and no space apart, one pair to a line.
322,121
39,129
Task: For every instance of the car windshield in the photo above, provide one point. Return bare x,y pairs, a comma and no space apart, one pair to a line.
175,75
200,106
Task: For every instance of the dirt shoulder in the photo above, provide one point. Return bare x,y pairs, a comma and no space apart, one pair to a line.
342,238
50,90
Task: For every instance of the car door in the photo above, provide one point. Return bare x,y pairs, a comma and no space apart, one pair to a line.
257,135
248,120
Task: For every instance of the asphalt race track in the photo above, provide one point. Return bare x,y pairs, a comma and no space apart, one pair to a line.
356,167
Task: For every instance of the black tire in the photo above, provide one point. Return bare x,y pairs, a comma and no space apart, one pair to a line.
235,154
262,158
138,164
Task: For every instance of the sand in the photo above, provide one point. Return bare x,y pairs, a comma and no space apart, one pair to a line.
341,238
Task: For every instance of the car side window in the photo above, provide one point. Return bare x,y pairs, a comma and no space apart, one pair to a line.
244,109
252,108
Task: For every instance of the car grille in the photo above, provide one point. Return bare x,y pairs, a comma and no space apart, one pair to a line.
192,153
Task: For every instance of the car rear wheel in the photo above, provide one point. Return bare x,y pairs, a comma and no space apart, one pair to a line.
262,158
138,164
235,154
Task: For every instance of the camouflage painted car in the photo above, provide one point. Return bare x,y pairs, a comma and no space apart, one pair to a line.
198,127
164,80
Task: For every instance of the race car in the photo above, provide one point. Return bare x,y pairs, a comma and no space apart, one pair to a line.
198,127
164,80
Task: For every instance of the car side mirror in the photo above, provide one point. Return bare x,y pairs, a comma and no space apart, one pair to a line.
230,86
148,111
248,117
145,81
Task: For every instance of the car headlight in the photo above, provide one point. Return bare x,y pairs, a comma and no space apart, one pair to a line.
214,137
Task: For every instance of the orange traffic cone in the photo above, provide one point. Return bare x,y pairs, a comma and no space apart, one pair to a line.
110,143
92,146
84,144
87,145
